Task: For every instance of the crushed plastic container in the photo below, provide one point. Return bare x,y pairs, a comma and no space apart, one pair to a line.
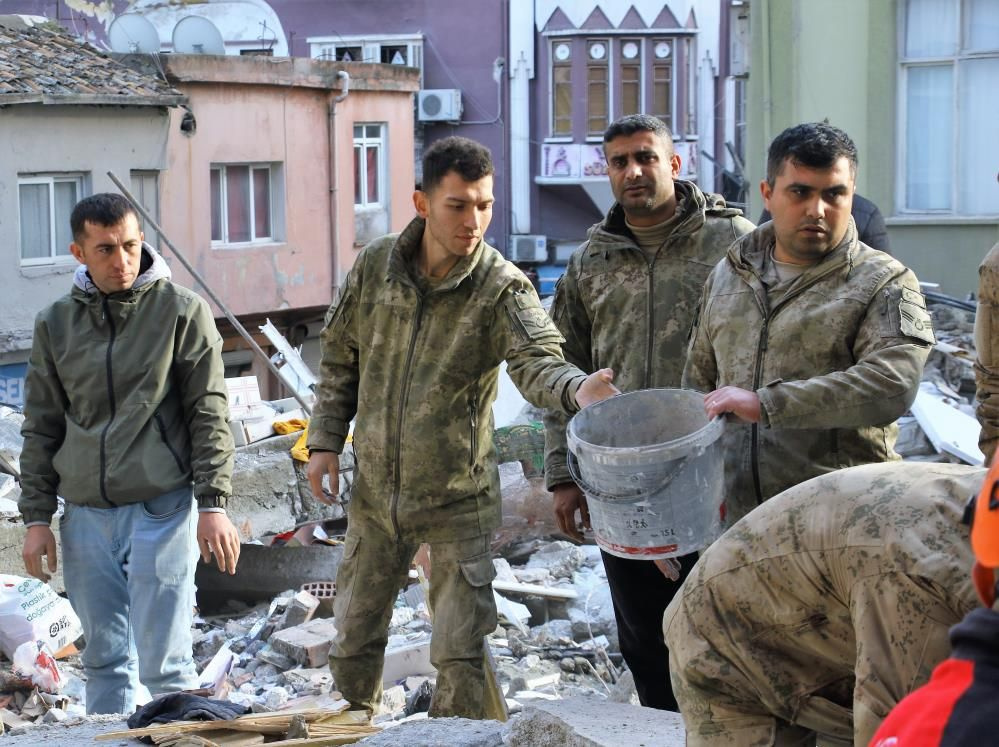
651,466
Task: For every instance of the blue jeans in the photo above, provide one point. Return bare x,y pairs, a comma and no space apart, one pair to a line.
129,573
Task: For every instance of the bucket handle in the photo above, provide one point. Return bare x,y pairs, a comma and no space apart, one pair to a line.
573,465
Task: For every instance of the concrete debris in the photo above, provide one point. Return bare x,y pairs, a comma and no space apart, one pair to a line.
560,559
942,425
591,722
11,442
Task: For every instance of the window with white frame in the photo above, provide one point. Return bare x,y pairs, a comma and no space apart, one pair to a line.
561,87
45,202
390,49
369,165
242,199
949,151
618,75
145,188
597,86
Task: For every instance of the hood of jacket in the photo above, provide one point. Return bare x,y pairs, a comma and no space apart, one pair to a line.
157,269
695,206
748,255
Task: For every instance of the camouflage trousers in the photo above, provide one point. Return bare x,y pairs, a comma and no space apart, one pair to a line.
373,570
752,669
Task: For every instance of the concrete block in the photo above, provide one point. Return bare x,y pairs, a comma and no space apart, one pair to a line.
308,644
407,660
439,732
594,722
300,610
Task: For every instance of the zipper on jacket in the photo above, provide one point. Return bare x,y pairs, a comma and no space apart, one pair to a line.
761,348
161,426
650,321
473,419
111,403
403,403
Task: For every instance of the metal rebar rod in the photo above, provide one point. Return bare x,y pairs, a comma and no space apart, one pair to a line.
211,294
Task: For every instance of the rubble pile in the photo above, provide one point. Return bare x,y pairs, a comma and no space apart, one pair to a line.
556,639
941,424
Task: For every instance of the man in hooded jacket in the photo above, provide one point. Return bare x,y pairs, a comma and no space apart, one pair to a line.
125,417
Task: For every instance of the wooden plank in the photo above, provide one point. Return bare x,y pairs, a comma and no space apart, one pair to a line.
515,587
275,722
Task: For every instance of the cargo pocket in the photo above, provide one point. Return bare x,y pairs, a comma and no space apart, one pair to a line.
472,614
346,577
479,569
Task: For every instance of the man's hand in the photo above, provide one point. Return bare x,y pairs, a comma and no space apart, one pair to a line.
742,403
39,541
324,463
217,535
568,499
597,387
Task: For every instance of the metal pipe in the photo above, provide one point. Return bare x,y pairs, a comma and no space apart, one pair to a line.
344,77
211,294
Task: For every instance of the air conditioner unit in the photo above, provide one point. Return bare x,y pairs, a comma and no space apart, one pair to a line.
439,105
528,248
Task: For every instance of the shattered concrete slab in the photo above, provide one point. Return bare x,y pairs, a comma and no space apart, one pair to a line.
594,722
69,733
440,732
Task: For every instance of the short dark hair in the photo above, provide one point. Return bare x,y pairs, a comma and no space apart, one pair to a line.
467,158
815,145
633,123
103,209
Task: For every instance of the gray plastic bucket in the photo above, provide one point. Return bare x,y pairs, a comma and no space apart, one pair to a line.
651,466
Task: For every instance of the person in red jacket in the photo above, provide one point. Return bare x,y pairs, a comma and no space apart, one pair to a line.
957,706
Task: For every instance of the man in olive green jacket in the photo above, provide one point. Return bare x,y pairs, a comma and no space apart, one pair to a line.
413,349
125,410
813,341
626,301
987,346
821,609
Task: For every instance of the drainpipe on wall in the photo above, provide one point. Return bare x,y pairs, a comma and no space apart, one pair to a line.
344,77
521,70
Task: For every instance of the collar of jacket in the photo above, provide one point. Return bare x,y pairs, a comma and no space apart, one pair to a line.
613,233
407,246
749,253
85,291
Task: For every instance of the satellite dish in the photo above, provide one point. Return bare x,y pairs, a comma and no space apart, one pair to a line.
133,34
197,35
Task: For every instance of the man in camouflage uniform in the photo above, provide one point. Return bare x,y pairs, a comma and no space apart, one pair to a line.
821,609
987,345
413,349
626,301
813,341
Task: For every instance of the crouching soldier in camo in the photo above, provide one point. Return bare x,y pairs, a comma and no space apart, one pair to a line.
413,349
813,341
821,609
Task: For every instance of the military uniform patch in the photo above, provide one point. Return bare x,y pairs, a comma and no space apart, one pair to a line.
914,319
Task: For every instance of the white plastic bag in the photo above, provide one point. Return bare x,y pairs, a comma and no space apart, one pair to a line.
33,661
31,611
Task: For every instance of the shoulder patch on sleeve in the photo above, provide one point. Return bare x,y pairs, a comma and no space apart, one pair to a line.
530,321
912,317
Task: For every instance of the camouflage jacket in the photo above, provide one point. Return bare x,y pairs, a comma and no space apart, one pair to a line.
419,369
835,361
987,345
841,588
618,308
